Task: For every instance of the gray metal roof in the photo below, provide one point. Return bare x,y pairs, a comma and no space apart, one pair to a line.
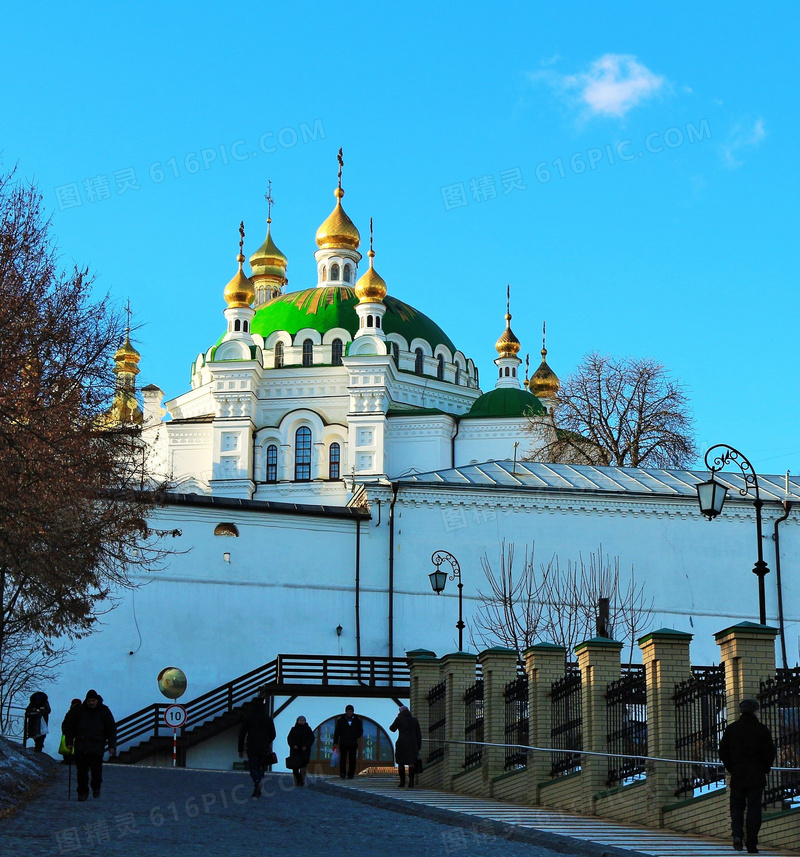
582,477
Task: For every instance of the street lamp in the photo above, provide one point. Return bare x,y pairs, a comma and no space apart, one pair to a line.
711,496
438,580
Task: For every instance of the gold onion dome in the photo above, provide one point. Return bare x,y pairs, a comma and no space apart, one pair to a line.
239,292
337,229
371,287
268,259
508,345
544,383
127,358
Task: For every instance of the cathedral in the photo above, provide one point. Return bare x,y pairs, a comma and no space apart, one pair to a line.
333,440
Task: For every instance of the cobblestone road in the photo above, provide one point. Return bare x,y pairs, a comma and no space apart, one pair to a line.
161,812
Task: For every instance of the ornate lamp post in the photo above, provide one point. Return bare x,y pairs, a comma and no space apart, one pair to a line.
711,496
438,580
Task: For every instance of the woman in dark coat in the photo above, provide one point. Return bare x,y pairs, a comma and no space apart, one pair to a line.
37,716
300,739
409,745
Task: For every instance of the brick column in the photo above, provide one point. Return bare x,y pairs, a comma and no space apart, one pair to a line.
499,667
458,670
665,655
544,664
747,651
599,663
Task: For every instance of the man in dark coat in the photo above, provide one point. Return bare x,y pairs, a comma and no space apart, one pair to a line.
409,745
258,731
346,735
87,729
747,751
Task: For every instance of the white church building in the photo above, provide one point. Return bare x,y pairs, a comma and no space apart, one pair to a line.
332,440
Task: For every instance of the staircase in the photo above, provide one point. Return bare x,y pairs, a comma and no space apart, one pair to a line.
144,733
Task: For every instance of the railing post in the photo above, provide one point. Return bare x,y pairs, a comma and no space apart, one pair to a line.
748,652
665,655
458,670
498,667
156,720
599,663
544,664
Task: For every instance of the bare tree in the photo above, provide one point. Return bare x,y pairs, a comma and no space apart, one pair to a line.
626,412
75,492
558,603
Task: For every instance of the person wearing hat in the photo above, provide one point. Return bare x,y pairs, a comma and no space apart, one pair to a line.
409,745
747,751
37,716
87,729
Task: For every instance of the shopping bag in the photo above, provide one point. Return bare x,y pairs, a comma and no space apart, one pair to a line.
335,759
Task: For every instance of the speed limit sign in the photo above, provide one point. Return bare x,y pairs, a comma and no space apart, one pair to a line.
175,716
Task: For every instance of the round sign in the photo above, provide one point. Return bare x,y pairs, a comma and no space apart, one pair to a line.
172,682
175,716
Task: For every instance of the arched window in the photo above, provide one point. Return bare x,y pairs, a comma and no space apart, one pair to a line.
375,748
308,352
347,270
334,461
440,368
279,355
396,353
272,463
324,273
334,272
302,454
244,326
369,321
226,530
237,325
419,361
377,321
507,372
458,374
337,349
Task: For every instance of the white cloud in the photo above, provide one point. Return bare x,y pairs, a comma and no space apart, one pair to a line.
743,136
613,85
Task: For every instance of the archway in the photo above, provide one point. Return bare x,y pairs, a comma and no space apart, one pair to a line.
376,748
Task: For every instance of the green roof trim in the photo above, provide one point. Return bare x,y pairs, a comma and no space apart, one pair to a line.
665,634
505,402
417,412
599,643
325,307
749,628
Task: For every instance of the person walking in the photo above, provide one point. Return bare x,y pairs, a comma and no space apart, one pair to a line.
68,756
346,736
88,728
37,716
258,732
300,739
747,751
409,745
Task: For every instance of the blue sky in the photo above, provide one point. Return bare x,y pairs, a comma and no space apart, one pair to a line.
628,169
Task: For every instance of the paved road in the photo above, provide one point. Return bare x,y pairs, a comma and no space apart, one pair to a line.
161,812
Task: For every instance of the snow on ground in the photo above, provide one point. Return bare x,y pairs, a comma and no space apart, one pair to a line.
21,771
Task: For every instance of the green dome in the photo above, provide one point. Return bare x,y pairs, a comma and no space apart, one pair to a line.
506,402
326,307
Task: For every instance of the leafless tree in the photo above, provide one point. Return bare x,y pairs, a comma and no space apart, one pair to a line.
626,412
75,491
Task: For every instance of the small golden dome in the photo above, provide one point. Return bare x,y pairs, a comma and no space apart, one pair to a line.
127,358
268,261
240,291
544,383
338,230
508,345
371,287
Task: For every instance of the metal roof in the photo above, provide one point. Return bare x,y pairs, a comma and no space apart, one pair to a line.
581,477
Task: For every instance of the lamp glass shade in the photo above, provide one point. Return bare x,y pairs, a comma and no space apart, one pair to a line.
711,496
438,579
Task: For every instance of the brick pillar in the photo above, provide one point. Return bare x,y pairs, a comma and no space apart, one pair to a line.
458,670
747,651
665,655
424,668
544,664
599,663
499,667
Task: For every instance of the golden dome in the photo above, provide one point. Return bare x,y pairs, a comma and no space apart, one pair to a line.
338,230
508,345
371,287
544,383
127,358
268,261
240,291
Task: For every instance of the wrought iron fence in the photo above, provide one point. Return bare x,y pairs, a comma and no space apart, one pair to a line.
699,724
437,720
780,711
515,695
566,732
473,723
626,723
